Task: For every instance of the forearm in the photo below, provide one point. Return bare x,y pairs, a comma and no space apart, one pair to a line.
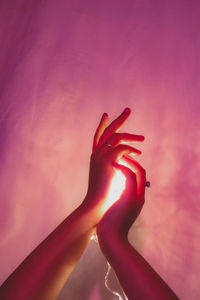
43,273
136,276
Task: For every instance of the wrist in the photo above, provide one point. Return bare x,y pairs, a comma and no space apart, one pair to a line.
112,245
107,238
90,210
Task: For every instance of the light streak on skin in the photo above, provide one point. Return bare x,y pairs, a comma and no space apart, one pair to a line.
117,186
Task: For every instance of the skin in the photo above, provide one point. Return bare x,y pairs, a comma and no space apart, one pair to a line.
44,272
136,276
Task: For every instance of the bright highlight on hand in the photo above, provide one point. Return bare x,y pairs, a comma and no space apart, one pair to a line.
117,186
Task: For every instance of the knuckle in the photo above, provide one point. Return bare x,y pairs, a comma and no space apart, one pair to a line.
115,135
120,147
113,138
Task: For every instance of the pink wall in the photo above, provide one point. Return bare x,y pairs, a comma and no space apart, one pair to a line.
63,63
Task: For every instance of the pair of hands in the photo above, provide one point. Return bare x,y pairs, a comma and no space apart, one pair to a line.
103,165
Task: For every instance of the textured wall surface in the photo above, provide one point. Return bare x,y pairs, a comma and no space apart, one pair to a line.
62,64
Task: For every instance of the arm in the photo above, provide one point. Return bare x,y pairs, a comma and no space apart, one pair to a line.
136,276
43,273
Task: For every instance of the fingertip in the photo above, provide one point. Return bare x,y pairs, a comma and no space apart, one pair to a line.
137,152
104,117
121,167
140,138
127,110
115,164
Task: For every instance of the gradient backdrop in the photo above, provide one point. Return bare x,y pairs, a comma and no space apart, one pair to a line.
62,64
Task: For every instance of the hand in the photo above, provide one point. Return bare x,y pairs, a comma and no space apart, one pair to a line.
121,215
132,270
103,158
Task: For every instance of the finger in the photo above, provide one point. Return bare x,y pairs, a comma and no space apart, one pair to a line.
140,174
121,150
116,138
114,126
100,130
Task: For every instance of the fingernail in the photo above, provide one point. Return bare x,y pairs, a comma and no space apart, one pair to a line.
127,109
138,152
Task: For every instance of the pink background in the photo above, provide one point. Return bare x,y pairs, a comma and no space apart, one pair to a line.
63,63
